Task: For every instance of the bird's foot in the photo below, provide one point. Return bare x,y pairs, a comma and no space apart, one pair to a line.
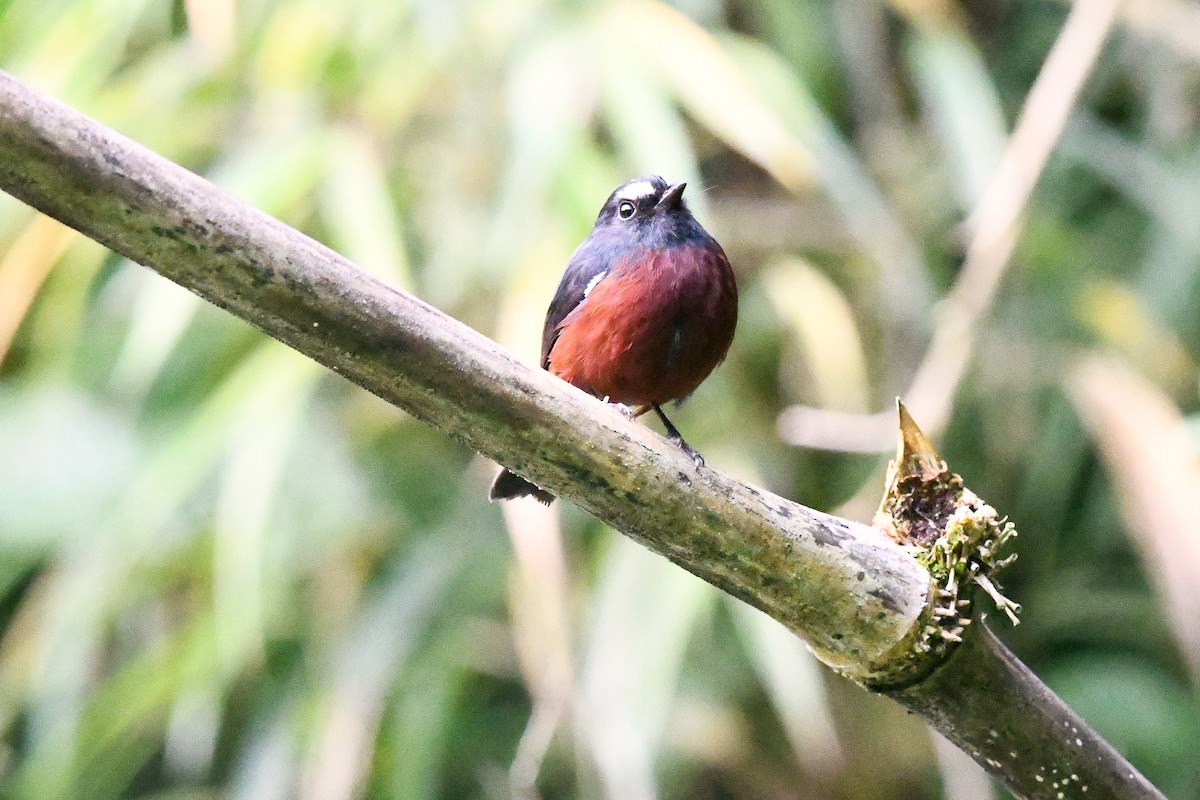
697,459
625,410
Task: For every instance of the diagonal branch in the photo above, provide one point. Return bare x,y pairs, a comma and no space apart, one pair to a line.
797,564
860,600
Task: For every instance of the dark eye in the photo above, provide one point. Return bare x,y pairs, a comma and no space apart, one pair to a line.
625,209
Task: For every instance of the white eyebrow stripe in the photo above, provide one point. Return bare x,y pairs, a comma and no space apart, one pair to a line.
599,276
636,190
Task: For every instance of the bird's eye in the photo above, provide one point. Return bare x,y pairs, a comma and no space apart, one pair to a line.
625,209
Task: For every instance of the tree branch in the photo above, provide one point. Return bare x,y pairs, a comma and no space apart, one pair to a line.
1030,740
861,601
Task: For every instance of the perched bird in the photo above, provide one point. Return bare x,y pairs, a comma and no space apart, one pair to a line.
645,310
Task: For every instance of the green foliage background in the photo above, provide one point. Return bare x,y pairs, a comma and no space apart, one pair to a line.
225,572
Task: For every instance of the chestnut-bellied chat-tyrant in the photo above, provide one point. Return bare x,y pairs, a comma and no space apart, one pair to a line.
645,310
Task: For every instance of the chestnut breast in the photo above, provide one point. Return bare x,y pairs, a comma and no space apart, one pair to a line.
652,329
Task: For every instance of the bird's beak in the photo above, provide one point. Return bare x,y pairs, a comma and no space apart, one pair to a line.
671,197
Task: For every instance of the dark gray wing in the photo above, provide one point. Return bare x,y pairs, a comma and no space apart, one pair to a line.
588,266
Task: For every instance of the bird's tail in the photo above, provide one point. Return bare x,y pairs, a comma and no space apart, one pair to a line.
510,485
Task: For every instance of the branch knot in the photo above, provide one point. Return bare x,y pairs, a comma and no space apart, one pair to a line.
951,531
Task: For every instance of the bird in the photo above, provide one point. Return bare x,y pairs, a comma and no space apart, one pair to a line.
645,311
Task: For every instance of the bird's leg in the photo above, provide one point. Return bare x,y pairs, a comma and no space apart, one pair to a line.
675,436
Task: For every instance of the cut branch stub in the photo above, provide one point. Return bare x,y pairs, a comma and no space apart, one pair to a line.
927,509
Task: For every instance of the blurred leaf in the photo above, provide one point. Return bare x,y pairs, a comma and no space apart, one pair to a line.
421,718
1166,189
643,615
384,637
212,23
960,100
823,325
1157,471
273,176
160,316
904,290
710,85
23,269
791,676
363,222
78,46
927,11
1123,322
267,763
115,734
66,457
648,127
248,494
550,96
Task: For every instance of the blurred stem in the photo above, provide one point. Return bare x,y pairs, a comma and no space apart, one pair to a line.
996,221
994,226
857,598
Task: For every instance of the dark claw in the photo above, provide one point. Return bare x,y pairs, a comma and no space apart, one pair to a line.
697,459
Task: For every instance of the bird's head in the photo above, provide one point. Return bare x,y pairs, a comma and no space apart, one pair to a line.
647,210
